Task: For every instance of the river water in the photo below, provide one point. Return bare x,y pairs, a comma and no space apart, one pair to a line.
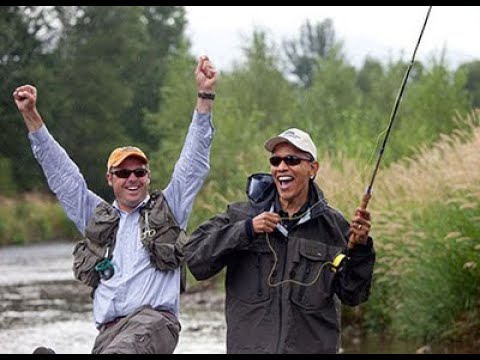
42,305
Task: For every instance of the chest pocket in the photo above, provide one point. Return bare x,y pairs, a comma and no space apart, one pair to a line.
161,235
313,271
247,278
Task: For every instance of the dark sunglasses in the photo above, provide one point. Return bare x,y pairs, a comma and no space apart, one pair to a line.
290,160
125,173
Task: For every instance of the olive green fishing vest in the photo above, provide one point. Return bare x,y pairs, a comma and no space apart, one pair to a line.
160,234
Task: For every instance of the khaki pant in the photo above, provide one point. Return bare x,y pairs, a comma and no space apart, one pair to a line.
145,331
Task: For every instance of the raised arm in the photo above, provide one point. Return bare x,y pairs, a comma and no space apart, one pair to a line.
193,165
62,174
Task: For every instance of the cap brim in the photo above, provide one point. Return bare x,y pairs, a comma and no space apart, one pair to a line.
270,144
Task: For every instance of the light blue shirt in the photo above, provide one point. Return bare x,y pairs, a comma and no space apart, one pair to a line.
136,282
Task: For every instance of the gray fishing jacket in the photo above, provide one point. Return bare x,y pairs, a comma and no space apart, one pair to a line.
264,315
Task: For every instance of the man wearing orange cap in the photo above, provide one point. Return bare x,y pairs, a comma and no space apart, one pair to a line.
131,254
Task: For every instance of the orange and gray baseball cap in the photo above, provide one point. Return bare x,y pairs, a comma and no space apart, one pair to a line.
298,138
121,153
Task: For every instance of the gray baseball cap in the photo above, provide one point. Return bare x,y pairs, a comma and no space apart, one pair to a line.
298,138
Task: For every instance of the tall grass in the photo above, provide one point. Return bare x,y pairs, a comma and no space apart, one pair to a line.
425,216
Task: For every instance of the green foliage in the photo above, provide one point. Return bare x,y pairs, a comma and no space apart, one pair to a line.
20,60
313,43
257,96
7,185
96,50
471,71
170,124
379,85
431,106
426,280
445,276
328,105
31,219
146,73
259,85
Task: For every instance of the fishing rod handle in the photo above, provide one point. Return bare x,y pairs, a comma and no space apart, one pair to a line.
363,205
365,200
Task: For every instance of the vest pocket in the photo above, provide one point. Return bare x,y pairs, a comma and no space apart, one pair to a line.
166,247
84,261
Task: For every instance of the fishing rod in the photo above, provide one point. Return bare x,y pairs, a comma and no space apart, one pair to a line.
368,194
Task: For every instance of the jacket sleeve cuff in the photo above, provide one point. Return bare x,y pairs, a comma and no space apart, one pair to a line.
249,229
360,249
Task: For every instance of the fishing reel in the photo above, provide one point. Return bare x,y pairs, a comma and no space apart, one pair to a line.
337,262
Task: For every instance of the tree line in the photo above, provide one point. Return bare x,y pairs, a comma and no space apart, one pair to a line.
111,75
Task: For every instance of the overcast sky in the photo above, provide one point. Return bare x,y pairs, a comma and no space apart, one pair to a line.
379,31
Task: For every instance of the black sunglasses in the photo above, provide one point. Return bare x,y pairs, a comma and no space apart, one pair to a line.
290,160
125,173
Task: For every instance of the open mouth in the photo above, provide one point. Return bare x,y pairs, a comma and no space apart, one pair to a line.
285,181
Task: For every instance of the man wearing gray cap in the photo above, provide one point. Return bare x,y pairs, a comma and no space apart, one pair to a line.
291,260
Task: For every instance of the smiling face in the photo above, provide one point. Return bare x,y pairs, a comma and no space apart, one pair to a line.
130,191
292,181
